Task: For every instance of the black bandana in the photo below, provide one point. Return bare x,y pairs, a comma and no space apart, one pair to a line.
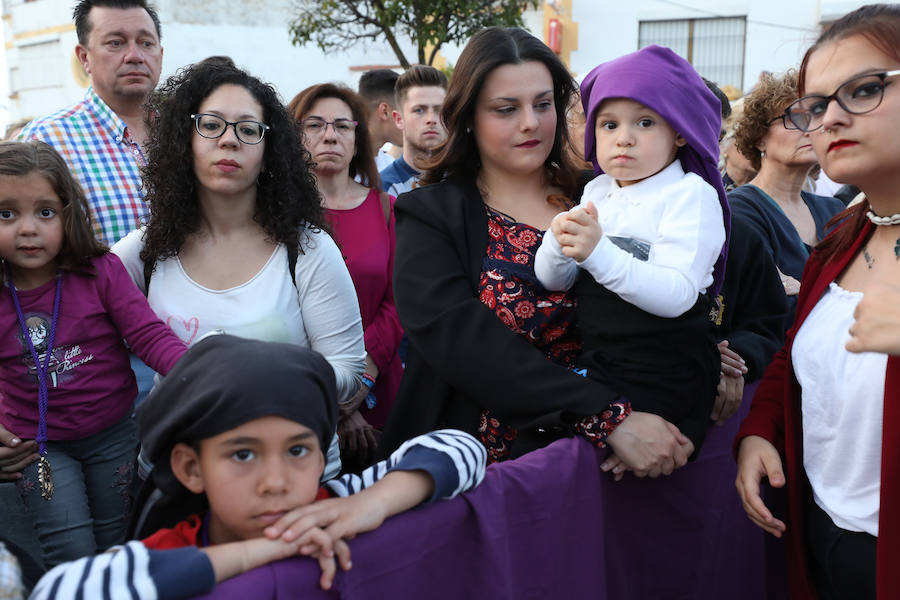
223,382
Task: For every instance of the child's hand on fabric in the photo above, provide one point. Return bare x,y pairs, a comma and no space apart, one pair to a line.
229,560
579,232
340,518
345,517
326,557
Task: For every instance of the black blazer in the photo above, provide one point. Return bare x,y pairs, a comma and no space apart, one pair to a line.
462,358
754,308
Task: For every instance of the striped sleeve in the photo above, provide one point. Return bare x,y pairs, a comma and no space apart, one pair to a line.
130,571
454,459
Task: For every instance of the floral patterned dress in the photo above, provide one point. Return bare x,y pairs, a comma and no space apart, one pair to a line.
509,287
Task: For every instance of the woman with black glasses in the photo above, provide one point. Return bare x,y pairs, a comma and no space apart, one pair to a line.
789,220
235,241
333,120
825,421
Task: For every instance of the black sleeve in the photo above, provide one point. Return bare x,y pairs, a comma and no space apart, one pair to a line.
755,306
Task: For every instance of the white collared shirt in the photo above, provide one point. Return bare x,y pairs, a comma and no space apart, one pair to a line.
675,215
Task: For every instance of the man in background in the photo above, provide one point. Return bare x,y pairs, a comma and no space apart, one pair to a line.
419,94
102,136
377,89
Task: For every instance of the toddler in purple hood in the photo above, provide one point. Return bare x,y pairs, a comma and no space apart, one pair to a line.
646,246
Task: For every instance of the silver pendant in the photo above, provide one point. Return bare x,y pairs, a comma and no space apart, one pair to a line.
45,478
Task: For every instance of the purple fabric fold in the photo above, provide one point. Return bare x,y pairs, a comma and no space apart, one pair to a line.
660,79
551,525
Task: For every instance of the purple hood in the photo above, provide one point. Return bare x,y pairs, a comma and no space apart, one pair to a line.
660,79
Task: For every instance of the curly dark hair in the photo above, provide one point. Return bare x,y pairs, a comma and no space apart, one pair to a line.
487,50
18,159
287,199
768,99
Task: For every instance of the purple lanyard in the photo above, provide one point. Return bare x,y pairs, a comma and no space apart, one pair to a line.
41,369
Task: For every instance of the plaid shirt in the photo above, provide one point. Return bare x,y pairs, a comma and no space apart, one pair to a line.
96,144
10,575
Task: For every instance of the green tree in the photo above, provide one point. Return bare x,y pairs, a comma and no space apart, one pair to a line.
340,24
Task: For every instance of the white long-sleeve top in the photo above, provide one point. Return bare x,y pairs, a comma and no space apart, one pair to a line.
842,403
320,312
454,460
676,214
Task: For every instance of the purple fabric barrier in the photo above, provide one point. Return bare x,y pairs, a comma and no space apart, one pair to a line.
551,525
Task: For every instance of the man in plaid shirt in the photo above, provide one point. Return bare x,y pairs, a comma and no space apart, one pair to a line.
101,137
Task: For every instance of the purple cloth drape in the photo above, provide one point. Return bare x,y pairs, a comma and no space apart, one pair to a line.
551,525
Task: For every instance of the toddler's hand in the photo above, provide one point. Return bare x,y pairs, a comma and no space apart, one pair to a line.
557,223
580,232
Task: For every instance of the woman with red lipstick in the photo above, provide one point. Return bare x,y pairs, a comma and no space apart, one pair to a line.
491,350
789,220
333,120
825,422
235,241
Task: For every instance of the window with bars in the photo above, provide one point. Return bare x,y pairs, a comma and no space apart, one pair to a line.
38,67
715,47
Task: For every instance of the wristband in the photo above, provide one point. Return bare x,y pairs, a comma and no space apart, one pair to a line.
368,380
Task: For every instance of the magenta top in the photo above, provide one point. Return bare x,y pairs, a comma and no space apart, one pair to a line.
367,244
90,382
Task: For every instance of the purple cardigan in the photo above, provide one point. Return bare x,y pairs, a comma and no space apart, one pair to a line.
91,385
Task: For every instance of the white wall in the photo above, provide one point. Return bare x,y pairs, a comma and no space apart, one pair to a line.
255,34
778,31
267,53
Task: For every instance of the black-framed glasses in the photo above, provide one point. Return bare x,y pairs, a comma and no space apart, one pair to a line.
858,96
214,126
785,120
313,126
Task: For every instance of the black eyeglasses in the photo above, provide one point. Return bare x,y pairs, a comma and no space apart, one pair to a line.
785,120
313,126
858,96
214,126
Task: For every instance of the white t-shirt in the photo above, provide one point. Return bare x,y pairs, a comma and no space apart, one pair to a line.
672,220
842,403
321,313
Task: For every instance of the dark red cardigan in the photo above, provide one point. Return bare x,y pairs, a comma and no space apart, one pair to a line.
775,415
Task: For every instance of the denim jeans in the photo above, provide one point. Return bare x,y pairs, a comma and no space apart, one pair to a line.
88,512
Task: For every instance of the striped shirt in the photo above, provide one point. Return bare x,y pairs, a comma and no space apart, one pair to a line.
106,161
454,459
